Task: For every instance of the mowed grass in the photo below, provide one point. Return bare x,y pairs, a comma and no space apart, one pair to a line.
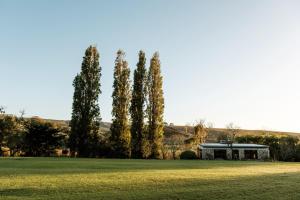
70,178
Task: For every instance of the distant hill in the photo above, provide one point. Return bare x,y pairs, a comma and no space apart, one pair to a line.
213,133
187,131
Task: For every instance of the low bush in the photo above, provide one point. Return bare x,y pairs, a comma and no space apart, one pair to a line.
188,155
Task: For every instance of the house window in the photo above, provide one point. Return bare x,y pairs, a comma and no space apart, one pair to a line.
251,154
220,154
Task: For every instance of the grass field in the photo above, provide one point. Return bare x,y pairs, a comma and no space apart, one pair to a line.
66,178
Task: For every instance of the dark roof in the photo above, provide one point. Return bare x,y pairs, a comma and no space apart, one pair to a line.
234,145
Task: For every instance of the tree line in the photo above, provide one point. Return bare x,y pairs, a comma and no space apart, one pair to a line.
21,136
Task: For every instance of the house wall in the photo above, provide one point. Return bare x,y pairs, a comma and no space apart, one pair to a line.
263,154
241,154
208,154
229,154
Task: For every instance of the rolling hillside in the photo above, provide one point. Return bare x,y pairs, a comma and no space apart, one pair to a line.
187,131
213,133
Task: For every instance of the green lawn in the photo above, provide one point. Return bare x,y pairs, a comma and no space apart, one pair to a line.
66,178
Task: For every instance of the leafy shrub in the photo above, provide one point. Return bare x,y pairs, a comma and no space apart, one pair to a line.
188,155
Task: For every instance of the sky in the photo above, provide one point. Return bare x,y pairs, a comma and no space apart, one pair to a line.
222,61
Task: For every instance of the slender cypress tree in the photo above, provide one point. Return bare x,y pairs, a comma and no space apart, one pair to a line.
120,130
155,106
138,136
85,122
76,128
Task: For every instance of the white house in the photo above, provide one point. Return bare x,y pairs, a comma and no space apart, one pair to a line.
234,151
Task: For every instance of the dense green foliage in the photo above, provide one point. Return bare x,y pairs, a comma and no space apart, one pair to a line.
155,106
11,132
42,137
120,129
74,179
85,122
139,137
31,137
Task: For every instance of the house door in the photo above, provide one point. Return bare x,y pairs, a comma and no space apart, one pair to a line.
251,154
235,155
220,154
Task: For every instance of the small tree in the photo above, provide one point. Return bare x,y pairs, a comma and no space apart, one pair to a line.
232,131
200,132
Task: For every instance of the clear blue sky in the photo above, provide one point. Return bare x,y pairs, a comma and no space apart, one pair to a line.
223,61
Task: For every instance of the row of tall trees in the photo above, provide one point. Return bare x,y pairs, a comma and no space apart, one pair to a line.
137,111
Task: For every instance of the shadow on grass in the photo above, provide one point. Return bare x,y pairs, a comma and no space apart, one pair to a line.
276,186
58,166
18,192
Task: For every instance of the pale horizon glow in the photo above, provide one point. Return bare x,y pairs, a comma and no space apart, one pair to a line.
222,61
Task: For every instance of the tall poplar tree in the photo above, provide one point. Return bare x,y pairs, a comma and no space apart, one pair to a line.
139,138
120,130
155,106
85,122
